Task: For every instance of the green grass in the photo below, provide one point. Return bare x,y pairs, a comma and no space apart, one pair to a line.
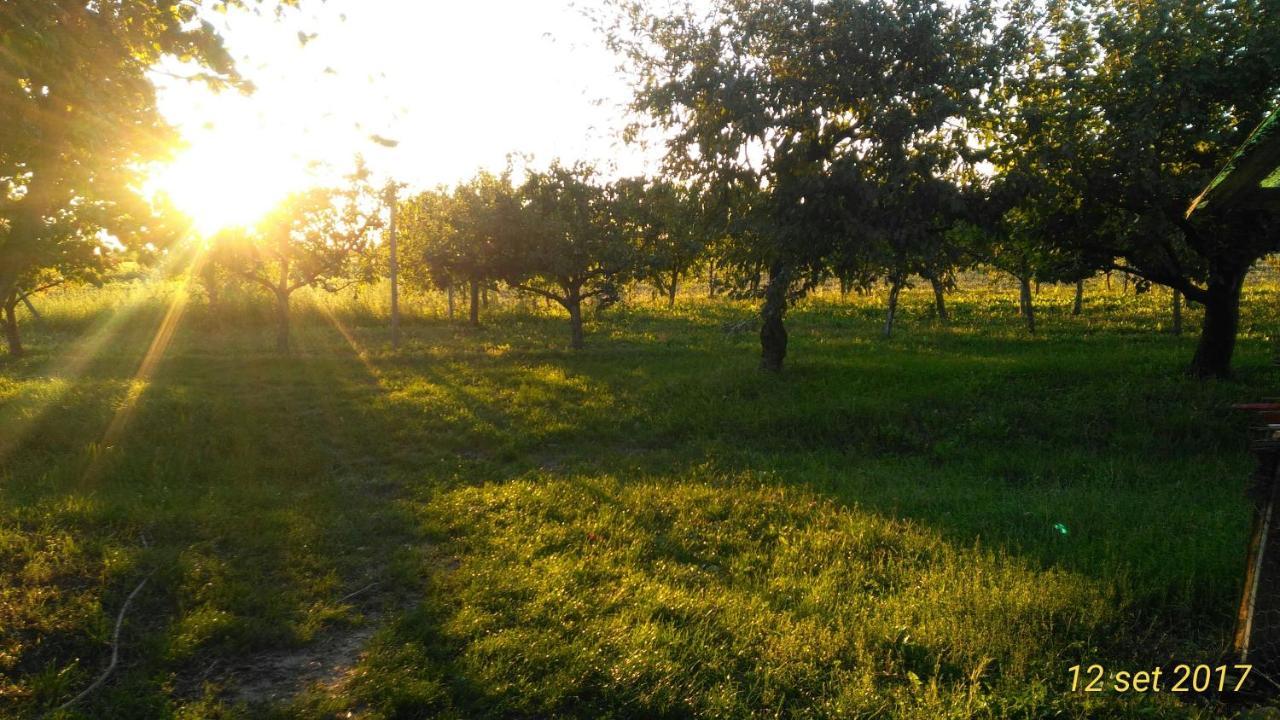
936,525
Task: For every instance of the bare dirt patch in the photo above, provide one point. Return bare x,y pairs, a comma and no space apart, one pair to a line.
279,675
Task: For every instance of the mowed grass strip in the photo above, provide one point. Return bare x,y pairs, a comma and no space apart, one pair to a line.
936,525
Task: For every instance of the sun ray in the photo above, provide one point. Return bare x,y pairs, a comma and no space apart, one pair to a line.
156,351
361,354
73,363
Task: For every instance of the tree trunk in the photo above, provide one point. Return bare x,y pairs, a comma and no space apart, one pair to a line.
1221,321
282,299
773,334
573,304
449,292
475,302
209,277
895,286
11,334
671,291
1028,308
711,280
18,250
844,288
1078,305
1124,283
282,322
939,301
1177,312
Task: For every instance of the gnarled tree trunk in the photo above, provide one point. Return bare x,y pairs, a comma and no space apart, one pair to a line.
1177,312
1078,305
282,322
573,303
212,289
11,334
939,300
671,291
1221,321
773,334
282,300
895,286
475,302
1027,307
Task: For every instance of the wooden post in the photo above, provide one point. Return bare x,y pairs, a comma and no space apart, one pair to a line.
26,300
395,268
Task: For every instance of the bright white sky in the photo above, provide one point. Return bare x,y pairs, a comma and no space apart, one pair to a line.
459,84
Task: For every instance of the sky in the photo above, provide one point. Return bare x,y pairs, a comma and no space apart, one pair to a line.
458,84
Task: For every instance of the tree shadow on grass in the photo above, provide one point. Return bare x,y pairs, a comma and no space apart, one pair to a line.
256,491
995,443
266,485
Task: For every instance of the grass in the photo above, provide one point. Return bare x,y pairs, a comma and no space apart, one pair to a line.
936,525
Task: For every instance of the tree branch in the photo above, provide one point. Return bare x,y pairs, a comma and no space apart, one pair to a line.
1177,282
115,649
539,291
252,276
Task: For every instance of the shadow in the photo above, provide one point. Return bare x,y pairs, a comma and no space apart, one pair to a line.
267,488
258,490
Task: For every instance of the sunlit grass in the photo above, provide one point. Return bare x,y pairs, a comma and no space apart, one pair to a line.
934,525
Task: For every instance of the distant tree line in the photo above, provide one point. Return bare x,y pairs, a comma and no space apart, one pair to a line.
866,143
562,234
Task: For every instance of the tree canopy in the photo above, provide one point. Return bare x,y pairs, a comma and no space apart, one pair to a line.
835,113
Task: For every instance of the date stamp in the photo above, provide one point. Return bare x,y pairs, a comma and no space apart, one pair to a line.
1181,678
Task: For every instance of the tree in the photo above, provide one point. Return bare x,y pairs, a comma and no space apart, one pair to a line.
314,238
78,116
73,267
812,106
480,211
566,241
425,221
669,227
914,210
1120,112
456,234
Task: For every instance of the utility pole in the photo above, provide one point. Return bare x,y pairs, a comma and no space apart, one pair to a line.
395,269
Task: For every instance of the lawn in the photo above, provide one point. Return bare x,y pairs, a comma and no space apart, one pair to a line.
486,524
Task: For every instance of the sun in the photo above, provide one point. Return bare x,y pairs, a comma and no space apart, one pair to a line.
221,182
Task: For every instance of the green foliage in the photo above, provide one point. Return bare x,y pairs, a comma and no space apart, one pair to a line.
670,226
78,121
1116,116
841,121
458,236
320,237
425,232
567,242
569,237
